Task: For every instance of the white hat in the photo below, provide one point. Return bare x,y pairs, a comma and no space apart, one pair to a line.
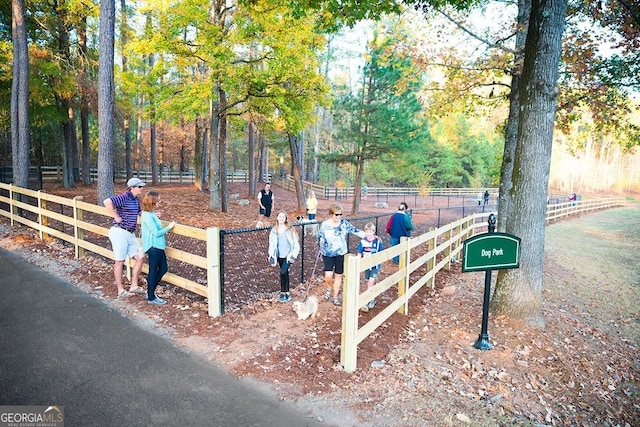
135,182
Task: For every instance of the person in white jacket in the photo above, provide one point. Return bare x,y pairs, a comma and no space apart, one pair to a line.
284,247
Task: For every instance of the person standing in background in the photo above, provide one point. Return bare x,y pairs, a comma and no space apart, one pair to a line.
266,201
399,225
124,209
154,244
312,205
284,247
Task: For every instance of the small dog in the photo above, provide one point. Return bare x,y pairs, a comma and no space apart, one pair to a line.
307,309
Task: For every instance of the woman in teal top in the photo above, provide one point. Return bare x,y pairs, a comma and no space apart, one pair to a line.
153,244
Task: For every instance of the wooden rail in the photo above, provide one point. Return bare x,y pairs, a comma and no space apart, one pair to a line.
54,174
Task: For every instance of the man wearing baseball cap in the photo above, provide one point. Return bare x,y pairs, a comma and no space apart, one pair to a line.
125,208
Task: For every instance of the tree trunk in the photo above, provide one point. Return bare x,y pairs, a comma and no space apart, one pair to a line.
106,98
313,173
222,150
86,145
20,98
139,133
64,104
124,38
84,105
214,176
67,161
73,146
519,291
355,206
251,137
294,149
262,150
511,131
153,148
206,143
201,152
153,138
183,158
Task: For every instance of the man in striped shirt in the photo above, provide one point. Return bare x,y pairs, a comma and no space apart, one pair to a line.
125,208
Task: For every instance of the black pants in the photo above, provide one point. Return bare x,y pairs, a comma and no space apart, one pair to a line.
157,268
266,211
284,274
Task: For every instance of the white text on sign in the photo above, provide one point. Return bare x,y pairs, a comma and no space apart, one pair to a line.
489,253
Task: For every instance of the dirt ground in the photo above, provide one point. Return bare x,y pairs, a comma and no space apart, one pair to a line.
582,369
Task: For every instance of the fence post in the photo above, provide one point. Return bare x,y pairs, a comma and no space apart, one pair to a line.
13,209
431,262
403,284
350,292
42,219
213,272
447,251
457,232
78,215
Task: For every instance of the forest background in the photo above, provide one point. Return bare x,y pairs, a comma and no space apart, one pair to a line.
442,79
446,93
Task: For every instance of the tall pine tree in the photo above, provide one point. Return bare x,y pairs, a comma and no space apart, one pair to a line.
383,120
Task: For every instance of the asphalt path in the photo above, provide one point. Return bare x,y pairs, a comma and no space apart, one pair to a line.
61,346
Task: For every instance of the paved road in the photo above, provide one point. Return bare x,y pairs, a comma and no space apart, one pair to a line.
60,346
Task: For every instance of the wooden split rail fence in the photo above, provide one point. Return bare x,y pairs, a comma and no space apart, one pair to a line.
430,253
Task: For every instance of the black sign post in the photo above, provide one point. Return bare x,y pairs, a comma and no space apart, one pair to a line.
487,252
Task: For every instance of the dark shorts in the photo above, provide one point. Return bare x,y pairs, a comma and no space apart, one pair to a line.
333,263
371,273
266,211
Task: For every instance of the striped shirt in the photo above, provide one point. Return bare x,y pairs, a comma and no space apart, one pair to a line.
128,207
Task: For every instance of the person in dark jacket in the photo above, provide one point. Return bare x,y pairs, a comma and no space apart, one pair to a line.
266,201
399,225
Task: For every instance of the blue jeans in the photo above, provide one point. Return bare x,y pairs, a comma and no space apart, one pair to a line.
157,268
395,241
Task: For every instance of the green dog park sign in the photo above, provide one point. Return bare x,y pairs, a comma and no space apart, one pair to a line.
491,251
487,252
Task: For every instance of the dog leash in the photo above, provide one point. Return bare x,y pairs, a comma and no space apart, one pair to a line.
313,273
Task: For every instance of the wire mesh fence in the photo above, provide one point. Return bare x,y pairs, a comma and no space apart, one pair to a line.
247,276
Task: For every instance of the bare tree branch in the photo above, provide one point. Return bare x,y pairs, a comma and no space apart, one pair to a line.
474,35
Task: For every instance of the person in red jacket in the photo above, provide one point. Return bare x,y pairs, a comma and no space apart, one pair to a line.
399,225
